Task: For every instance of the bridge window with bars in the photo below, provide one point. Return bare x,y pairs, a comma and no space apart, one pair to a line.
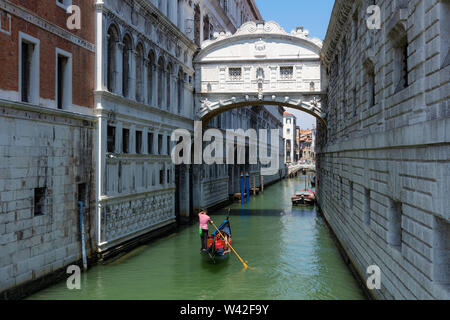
286,73
235,74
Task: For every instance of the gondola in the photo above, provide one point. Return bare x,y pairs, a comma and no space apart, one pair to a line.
304,197
218,249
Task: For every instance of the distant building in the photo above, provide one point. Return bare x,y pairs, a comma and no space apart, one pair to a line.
306,145
289,136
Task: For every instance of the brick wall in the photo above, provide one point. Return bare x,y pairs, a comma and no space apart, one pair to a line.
384,167
83,59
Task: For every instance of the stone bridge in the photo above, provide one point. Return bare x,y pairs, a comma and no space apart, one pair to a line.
261,64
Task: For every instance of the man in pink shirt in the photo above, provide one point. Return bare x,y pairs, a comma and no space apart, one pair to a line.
204,219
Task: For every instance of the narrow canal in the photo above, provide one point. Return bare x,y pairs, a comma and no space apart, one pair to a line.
291,249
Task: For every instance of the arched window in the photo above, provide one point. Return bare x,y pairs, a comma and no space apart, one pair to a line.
160,81
312,86
126,65
140,73
151,62
112,39
197,25
206,28
180,88
169,85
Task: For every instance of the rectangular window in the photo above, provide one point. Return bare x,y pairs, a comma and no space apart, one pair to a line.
286,73
150,142
441,252
168,176
111,139
395,224
161,176
160,144
351,195
63,79
138,142
168,145
401,63
28,68
125,140
235,74
366,218
61,65
40,201
371,80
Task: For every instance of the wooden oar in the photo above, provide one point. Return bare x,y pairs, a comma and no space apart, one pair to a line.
245,265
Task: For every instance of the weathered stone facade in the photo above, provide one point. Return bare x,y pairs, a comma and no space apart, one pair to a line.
44,153
383,164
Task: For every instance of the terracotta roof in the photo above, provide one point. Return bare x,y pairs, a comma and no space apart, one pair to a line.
288,114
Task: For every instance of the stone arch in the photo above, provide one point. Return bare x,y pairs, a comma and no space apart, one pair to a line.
160,80
180,89
169,71
206,27
126,61
151,76
208,112
140,57
112,41
197,24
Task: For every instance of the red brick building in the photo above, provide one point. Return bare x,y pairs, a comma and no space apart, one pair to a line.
40,26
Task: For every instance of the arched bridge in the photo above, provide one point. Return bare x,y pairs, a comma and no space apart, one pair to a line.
261,64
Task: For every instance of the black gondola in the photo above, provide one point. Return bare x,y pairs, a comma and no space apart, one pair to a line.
218,249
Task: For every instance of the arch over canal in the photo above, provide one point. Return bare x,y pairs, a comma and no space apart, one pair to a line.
261,64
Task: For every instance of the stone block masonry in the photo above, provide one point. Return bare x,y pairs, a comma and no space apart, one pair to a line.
383,163
45,168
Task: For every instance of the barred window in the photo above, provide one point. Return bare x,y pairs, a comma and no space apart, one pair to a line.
286,73
235,74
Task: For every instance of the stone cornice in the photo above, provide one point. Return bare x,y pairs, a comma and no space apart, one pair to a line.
269,29
45,110
339,17
134,104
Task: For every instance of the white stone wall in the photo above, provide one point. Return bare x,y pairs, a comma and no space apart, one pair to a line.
42,148
383,172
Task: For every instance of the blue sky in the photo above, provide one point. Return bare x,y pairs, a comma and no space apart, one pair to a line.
313,15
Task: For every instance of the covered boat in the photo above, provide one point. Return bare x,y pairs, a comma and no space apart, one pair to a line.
218,248
304,197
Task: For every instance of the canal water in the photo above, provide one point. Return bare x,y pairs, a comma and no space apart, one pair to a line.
290,251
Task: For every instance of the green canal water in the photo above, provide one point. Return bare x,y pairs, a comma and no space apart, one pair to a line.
291,250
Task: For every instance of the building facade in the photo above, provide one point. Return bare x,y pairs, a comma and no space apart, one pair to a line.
307,145
47,129
383,160
290,137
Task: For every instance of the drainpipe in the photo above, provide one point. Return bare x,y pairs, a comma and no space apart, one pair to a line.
83,247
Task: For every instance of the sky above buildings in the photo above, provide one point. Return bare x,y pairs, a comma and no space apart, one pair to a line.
312,15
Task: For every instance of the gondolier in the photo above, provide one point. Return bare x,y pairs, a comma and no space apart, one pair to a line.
204,219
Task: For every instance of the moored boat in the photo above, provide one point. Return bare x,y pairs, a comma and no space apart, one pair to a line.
218,248
304,197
